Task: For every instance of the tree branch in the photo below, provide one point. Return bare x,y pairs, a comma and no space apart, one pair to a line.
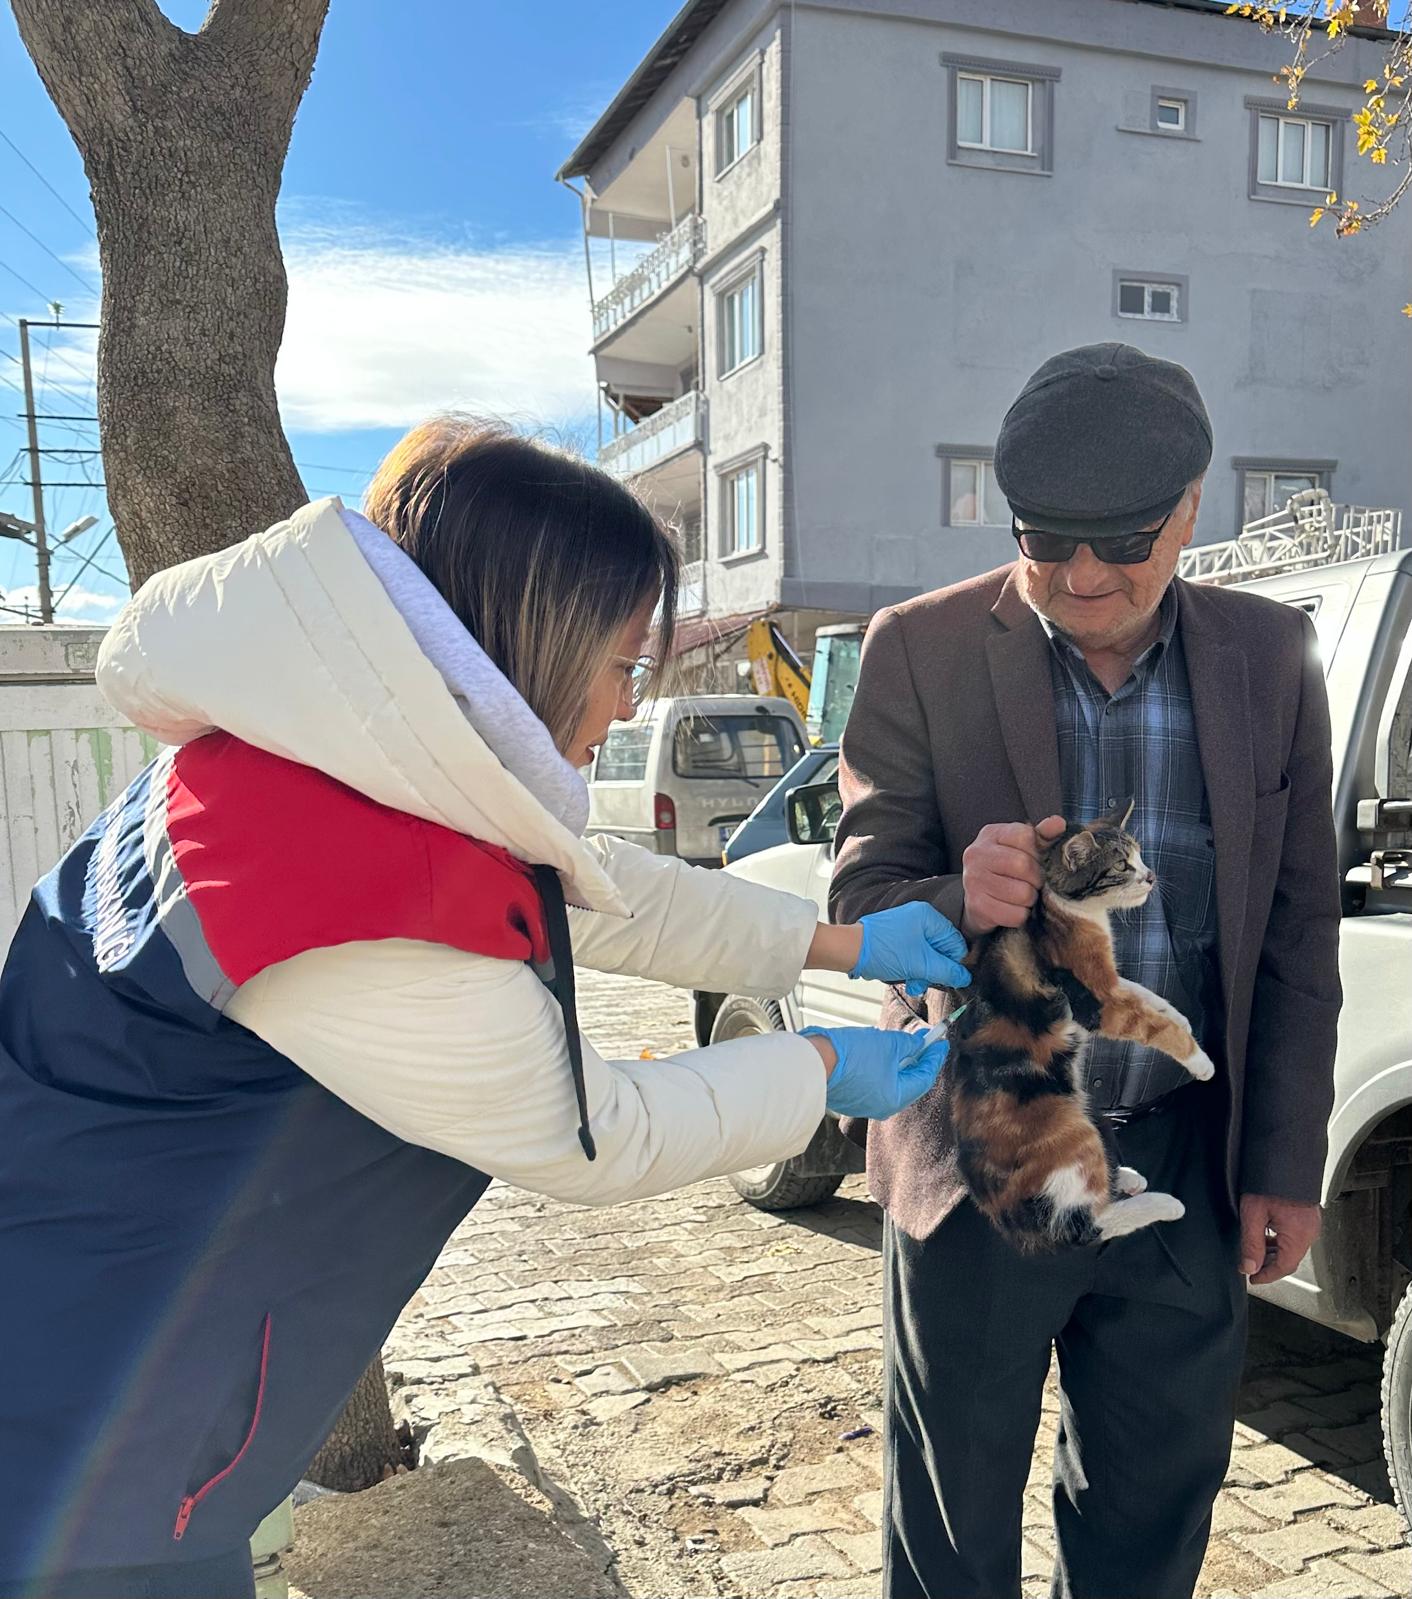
97,57
276,40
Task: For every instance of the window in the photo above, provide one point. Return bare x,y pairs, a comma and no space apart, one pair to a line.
1152,302
993,113
1294,152
1295,159
969,494
622,757
737,126
1171,114
735,746
741,510
1267,492
1265,485
1000,115
741,324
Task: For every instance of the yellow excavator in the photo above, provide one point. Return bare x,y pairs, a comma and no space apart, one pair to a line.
822,697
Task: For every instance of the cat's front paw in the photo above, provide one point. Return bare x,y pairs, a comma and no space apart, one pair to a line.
1153,1001
1200,1065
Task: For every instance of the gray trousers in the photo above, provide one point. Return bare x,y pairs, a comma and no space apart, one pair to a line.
1150,1334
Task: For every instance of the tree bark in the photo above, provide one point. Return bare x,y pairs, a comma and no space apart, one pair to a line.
184,137
363,1447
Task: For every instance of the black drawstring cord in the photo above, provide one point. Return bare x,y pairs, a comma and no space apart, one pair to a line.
561,981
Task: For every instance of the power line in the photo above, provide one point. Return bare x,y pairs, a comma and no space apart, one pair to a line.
58,354
87,226
77,575
83,282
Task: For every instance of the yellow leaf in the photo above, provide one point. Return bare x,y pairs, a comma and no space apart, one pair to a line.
1378,158
1407,310
1316,216
1332,200
1371,86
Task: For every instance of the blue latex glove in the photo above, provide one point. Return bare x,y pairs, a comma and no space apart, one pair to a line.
912,944
879,1073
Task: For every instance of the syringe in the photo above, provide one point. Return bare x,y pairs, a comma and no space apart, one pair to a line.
935,1034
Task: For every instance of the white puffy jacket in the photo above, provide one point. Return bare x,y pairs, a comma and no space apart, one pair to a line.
291,642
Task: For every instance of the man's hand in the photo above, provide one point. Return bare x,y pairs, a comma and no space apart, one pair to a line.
1001,876
1295,1227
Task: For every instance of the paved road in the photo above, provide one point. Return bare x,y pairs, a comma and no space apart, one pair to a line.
707,1380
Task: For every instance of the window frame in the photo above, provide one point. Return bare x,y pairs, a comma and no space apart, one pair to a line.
1040,80
749,79
727,472
987,81
1247,466
1153,280
954,455
1335,118
753,272
1161,102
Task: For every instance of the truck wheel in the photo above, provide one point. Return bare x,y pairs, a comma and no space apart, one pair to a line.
1397,1407
781,1186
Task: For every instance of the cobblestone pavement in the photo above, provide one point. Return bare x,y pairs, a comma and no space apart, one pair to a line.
706,1378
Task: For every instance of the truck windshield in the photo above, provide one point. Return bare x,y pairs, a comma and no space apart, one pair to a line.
834,680
735,746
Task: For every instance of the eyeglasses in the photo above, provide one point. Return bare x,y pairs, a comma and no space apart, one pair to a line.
640,673
1118,549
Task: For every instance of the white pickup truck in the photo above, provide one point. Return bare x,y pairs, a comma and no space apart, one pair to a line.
1358,1277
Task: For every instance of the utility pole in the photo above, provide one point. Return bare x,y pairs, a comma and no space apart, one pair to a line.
41,542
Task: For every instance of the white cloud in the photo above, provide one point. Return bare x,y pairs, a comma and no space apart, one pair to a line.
385,326
79,605
381,331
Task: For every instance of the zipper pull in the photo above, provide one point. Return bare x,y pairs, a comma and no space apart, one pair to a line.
183,1516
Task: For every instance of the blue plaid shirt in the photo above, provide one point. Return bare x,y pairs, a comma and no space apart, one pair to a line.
1141,742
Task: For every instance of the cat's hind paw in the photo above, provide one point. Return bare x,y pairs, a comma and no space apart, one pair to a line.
1200,1065
1128,1182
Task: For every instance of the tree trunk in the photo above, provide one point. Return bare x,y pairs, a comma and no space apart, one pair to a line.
184,138
363,1447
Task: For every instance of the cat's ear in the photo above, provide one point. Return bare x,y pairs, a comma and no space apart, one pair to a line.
1079,850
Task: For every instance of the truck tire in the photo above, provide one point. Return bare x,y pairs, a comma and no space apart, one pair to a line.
1397,1407
782,1185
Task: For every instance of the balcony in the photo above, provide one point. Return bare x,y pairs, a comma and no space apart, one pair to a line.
653,278
679,425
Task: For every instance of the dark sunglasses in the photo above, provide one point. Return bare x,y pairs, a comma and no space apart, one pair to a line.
1119,549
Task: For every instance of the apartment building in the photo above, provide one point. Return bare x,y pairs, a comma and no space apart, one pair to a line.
844,231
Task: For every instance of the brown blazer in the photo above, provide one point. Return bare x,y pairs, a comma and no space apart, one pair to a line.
953,728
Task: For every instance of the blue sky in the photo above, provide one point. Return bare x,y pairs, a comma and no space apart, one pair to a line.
433,260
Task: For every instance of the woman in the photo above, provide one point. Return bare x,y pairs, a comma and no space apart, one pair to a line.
269,1029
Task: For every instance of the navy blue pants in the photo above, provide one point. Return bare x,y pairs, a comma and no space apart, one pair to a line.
228,1576
1149,1331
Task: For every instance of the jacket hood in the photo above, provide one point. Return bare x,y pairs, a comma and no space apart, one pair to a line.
309,642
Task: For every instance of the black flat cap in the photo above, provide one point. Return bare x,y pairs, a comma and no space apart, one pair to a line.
1103,439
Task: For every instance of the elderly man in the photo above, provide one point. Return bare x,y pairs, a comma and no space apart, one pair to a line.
1085,673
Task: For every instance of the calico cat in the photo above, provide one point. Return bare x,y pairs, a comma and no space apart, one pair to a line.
1033,1159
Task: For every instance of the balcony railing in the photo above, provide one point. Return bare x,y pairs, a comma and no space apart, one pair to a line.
676,253
1310,531
691,590
676,426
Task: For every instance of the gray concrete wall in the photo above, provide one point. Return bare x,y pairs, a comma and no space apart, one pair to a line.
922,293
744,408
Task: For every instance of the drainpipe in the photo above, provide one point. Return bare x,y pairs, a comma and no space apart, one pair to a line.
585,206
